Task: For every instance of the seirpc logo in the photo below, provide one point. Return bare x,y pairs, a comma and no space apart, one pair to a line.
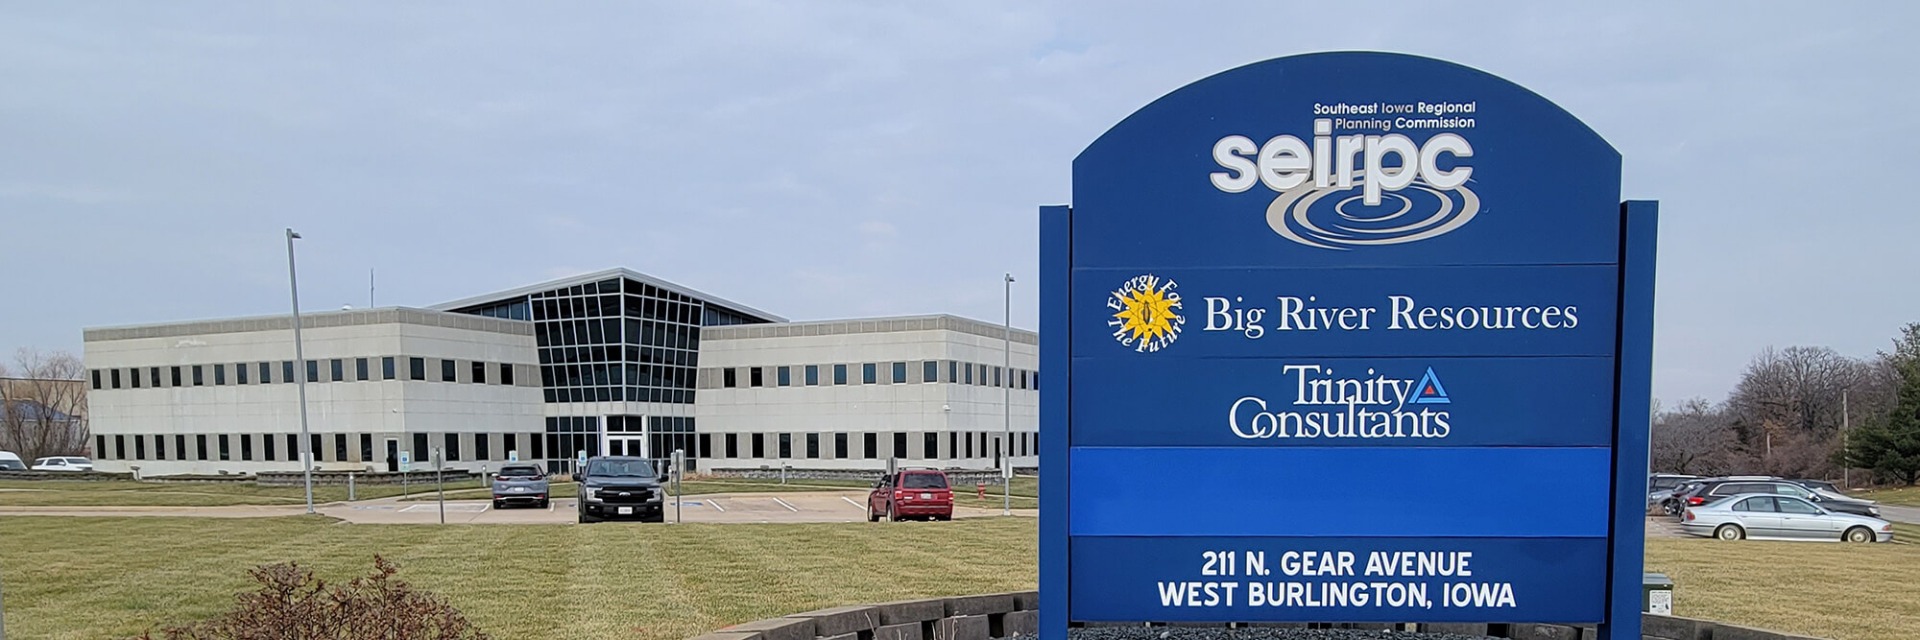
1348,191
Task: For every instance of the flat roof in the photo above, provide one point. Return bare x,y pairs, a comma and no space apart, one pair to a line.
316,320
587,278
935,322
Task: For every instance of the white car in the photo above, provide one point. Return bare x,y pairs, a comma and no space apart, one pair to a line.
63,463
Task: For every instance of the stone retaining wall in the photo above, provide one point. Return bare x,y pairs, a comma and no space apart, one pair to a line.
339,479
82,476
959,477
1005,615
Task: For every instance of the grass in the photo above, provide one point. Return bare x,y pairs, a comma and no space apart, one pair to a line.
112,577
50,493
1904,496
1835,591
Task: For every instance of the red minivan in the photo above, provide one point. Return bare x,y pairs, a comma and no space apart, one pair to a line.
912,493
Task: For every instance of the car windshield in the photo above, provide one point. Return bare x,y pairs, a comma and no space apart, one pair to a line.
519,472
923,481
1665,483
620,468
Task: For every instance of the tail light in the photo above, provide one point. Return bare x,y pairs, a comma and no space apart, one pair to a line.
1689,515
1887,527
1696,500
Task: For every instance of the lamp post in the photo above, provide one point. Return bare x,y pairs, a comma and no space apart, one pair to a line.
300,367
1846,450
1006,402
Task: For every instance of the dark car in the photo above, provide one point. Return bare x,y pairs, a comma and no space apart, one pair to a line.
520,484
912,493
620,487
1715,490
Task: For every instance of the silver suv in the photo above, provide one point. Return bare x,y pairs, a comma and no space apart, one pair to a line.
520,484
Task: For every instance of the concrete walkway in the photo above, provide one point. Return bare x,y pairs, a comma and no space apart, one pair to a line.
821,506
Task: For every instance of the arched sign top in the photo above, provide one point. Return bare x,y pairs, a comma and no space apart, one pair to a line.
1350,159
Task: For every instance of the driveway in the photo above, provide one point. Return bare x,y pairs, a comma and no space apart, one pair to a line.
1897,513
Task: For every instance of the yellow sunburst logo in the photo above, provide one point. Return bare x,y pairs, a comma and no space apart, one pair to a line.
1146,313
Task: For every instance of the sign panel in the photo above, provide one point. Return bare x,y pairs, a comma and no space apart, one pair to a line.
1344,337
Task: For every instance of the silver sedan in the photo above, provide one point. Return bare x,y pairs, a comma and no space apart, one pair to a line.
1761,516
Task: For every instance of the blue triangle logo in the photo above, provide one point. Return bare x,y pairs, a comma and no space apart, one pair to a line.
1430,391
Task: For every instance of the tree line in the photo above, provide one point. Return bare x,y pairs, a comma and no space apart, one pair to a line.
43,405
1804,412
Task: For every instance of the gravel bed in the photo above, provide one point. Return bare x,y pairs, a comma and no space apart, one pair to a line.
1250,633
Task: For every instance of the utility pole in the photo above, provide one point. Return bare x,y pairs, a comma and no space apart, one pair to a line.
1006,403
300,366
1846,450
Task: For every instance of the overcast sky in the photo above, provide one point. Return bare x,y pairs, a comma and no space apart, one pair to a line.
826,160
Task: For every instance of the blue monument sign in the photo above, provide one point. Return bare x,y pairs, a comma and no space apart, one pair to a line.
1346,337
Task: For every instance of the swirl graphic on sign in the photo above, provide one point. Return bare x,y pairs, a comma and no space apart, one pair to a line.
1338,218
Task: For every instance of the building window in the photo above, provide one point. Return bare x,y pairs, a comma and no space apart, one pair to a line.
931,443
786,446
813,375
480,449
453,445
120,447
757,376
839,374
153,375
293,447
506,374
180,447
759,445
96,379
286,375
969,378
240,373
813,445
360,369
840,446
899,373
159,447
732,442
969,445
953,372
420,453
900,445
386,368
417,369
266,447
480,377
868,373
266,373
783,376
246,446
313,372
339,447
930,371
953,444
871,442
996,376
510,444
314,447
200,446
729,378
219,375
133,377
114,374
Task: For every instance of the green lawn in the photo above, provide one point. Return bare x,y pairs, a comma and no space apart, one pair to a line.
1026,490
109,577
21,493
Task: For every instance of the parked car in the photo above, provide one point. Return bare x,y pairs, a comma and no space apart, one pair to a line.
520,484
10,461
1777,517
911,493
620,487
1676,502
63,463
1661,485
1819,485
1716,490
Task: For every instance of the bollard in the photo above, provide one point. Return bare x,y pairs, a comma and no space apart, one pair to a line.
981,489
350,494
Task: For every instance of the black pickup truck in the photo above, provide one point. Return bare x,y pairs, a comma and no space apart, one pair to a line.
619,487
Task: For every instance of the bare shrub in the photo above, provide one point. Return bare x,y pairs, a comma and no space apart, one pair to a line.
293,604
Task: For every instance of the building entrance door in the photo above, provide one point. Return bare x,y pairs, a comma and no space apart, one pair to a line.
393,455
618,445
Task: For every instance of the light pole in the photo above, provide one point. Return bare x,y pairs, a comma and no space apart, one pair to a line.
300,367
1006,403
1846,451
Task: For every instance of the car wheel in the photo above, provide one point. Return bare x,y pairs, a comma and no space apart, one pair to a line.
871,515
497,505
1859,534
547,503
891,516
1729,532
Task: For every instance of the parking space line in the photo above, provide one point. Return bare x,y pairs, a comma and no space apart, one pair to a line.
850,501
716,505
789,507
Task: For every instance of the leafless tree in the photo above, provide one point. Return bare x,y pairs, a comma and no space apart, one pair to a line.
45,405
1786,411
1695,438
